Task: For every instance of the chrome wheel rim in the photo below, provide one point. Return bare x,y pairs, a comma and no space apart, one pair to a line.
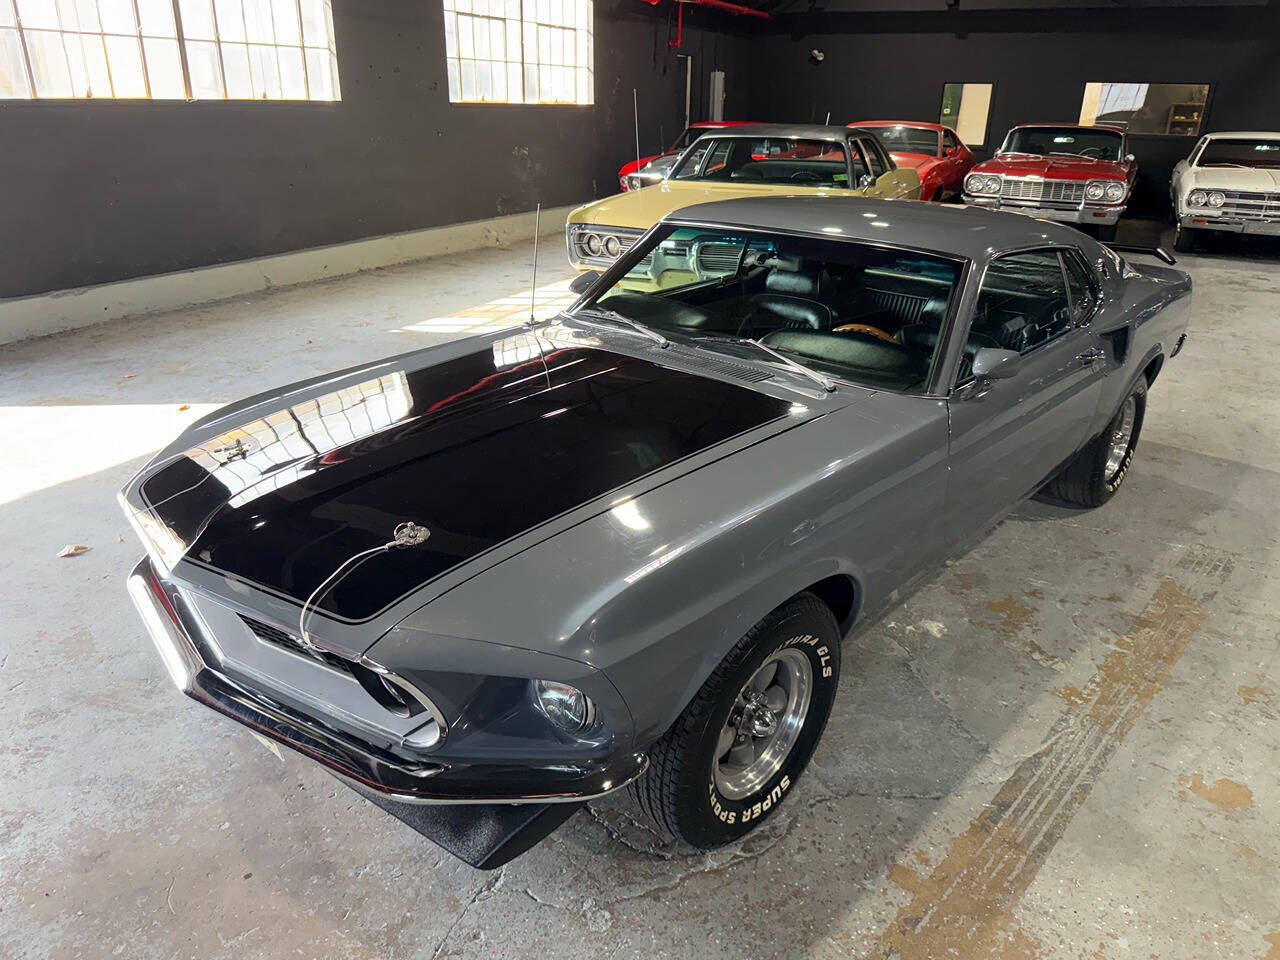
764,724
1121,433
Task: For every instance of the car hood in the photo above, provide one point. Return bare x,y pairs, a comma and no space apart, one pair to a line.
480,442
641,209
1251,179
1060,168
913,161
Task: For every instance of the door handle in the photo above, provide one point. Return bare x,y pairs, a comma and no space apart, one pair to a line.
1091,356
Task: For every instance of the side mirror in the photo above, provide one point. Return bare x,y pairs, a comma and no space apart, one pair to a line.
952,152
1129,158
992,363
584,281
866,180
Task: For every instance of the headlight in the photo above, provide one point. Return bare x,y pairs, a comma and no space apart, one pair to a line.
567,707
624,183
1095,190
633,182
1197,198
1115,191
1217,198
980,183
612,247
592,243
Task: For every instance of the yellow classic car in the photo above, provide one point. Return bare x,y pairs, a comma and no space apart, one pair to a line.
783,159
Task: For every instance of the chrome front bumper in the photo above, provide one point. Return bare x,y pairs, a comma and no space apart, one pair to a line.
1103,215
371,767
1267,227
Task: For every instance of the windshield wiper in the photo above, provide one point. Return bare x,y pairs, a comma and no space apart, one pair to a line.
828,385
1074,156
606,314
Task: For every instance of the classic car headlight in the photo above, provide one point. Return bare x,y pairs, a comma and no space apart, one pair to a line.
1115,191
978,183
567,707
1095,190
612,247
634,182
592,242
1217,198
1197,198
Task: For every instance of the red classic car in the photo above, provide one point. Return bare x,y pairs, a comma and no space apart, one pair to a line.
1059,171
651,169
930,149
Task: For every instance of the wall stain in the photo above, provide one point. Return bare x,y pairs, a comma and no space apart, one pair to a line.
966,905
1227,795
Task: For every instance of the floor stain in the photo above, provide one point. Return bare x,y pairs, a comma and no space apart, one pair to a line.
1014,616
1227,795
1071,696
1272,938
968,900
1264,698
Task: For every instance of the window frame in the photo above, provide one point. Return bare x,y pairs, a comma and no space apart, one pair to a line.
180,37
1204,110
986,121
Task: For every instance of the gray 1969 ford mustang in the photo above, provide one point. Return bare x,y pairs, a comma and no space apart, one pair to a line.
488,581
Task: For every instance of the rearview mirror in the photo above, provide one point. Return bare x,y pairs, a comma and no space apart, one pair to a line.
584,281
992,363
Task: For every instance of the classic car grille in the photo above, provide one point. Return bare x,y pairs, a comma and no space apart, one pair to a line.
718,258
1051,191
578,241
279,638
1246,205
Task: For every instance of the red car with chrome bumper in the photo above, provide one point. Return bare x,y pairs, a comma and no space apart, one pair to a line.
930,149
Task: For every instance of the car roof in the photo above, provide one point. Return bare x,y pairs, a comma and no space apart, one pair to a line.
1244,134
1108,127
916,124
970,232
790,131
720,124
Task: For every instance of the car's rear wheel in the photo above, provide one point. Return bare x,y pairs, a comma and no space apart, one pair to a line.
1097,471
737,749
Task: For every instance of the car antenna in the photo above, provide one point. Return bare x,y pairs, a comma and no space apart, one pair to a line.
533,286
635,114
827,122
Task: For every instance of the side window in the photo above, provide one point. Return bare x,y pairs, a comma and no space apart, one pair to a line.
857,163
873,159
693,162
718,157
1084,295
949,141
1023,303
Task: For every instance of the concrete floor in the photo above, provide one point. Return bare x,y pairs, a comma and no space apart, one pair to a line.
1066,744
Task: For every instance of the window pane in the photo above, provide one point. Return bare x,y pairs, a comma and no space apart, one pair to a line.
450,35
964,109
257,21
1023,301
230,20
202,61
482,37
265,72
466,37
319,75
197,20
313,29
1169,109
38,14
157,18
6,14
468,80
68,14
164,69
513,40
88,15
125,58
117,17
292,84
514,93
454,93
13,75
48,64
285,18
235,71
80,86
497,40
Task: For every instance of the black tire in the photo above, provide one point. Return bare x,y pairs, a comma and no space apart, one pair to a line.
679,793
1184,239
1105,233
1086,481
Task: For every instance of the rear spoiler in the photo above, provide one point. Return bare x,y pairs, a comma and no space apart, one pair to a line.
1160,253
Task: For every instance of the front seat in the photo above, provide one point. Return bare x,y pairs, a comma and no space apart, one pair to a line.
923,336
791,300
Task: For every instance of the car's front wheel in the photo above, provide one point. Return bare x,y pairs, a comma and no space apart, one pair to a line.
737,749
1184,239
1097,471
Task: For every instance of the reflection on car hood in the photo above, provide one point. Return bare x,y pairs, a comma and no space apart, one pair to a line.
1251,179
479,448
641,209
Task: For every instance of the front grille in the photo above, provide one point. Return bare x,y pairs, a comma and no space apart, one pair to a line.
1248,205
1049,191
578,242
288,641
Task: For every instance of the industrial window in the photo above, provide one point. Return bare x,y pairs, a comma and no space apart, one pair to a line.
965,107
167,49
519,51
1169,109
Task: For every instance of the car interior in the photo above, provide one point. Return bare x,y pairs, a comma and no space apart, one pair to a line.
870,315
770,160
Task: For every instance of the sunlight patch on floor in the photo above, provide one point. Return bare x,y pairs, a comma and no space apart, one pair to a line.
501,313
49,445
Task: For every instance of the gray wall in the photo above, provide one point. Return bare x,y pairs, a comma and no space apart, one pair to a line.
107,190
893,65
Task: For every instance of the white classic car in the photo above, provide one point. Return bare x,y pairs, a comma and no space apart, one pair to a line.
1231,183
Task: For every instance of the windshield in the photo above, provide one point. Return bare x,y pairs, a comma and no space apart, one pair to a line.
794,162
1068,141
844,308
908,140
1240,153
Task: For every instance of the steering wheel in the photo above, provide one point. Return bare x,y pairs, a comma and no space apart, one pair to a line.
1094,152
805,175
867,330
